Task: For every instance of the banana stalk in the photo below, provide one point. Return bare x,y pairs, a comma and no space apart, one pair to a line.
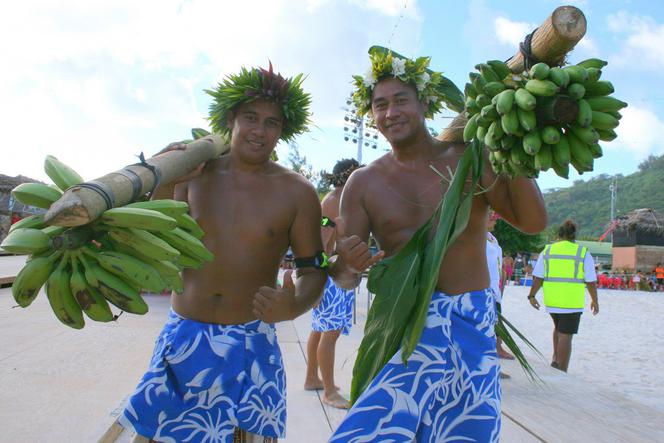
81,205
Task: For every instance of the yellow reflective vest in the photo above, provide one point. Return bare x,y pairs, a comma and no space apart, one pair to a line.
564,284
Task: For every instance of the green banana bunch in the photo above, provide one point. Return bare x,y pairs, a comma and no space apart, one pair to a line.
507,112
137,272
26,241
62,175
172,208
142,246
93,304
62,301
114,289
197,133
144,241
32,277
188,224
187,244
124,217
38,195
168,271
186,261
34,221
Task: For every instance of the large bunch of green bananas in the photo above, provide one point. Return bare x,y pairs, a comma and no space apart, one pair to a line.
139,247
512,115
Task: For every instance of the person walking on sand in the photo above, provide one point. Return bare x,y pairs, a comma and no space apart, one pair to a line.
494,258
565,270
333,315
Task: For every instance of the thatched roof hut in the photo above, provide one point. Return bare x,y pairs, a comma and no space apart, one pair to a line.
639,227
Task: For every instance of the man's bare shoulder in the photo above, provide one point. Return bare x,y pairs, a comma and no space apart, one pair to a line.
332,197
220,164
369,173
450,149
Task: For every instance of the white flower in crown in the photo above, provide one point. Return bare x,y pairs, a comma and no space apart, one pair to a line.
423,81
431,98
369,79
398,66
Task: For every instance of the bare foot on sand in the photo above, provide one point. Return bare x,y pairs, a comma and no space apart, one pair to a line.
505,355
315,385
336,401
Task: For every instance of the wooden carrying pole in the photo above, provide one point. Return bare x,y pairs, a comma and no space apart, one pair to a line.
82,204
558,35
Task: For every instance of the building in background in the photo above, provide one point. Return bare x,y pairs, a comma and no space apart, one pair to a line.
638,241
601,251
9,206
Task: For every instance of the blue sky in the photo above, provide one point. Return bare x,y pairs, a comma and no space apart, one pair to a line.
96,82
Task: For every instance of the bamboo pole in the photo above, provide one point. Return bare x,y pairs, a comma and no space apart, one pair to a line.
81,205
558,35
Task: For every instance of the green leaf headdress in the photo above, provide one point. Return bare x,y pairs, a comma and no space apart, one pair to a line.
259,83
433,88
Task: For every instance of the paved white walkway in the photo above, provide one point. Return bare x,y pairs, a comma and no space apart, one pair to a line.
62,385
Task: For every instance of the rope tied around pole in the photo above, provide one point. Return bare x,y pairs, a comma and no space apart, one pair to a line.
152,168
526,50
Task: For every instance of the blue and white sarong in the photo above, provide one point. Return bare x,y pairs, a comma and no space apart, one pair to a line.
204,380
450,390
335,310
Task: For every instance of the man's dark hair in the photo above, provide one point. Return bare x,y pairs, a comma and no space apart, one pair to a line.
342,171
567,231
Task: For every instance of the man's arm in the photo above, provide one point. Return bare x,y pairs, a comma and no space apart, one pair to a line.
330,208
591,282
537,284
594,301
538,274
290,301
306,241
176,189
352,234
519,200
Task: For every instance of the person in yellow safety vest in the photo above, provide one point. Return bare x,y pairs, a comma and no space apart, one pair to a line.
565,269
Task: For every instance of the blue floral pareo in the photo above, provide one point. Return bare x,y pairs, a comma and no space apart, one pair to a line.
335,310
206,379
448,392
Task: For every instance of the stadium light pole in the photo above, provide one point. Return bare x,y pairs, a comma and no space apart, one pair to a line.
359,130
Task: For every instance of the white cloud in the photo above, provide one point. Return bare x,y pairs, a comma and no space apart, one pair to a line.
408,8
640,131
511,32
589,46
96,82
391,7
642,41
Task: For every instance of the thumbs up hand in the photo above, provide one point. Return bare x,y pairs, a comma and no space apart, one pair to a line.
354,254
274,305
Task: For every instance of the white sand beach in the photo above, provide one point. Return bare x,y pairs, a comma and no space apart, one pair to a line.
620,349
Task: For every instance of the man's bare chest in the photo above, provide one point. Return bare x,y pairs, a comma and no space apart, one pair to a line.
249,213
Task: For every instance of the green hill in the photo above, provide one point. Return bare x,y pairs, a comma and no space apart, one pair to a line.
589,202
